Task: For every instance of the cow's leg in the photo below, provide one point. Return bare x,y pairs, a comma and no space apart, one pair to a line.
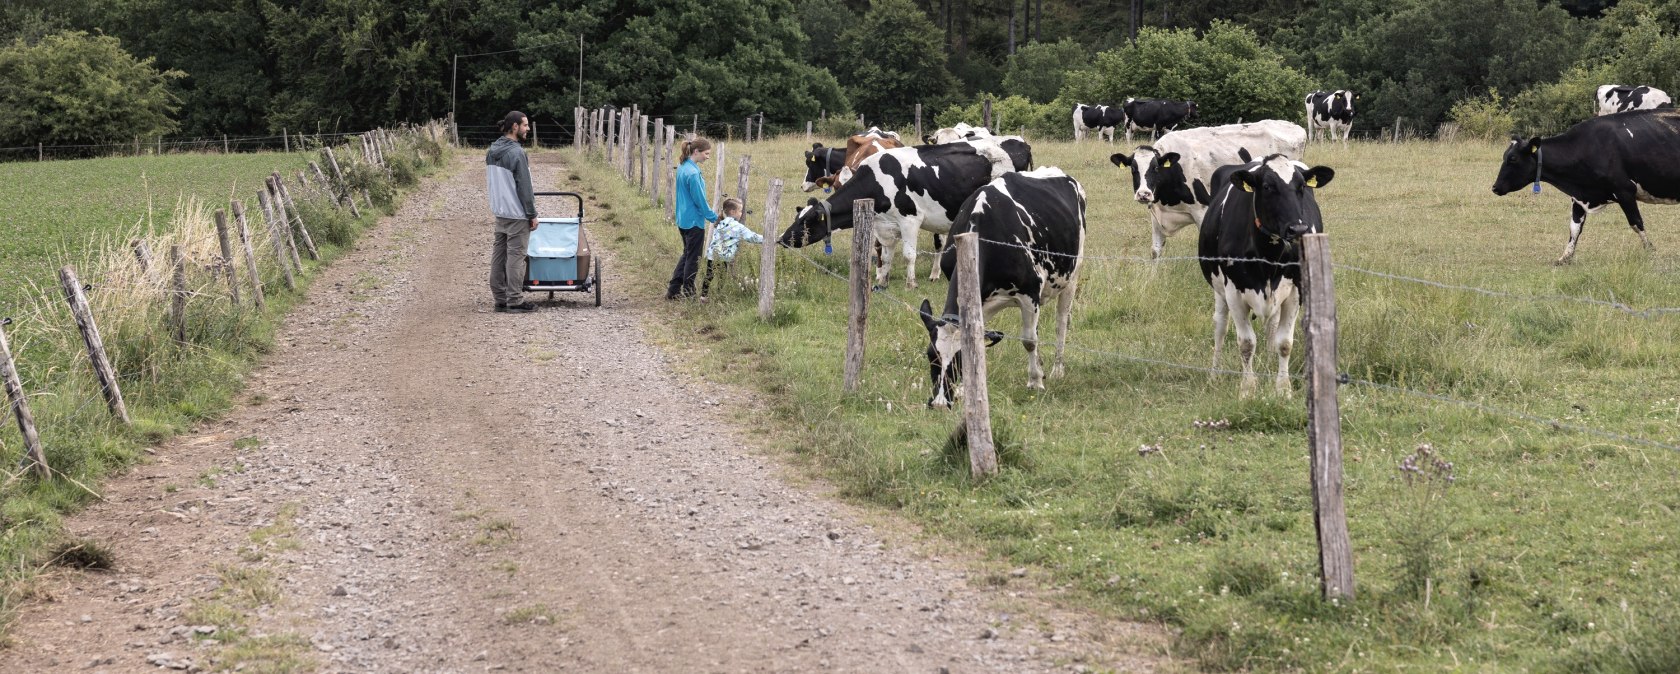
1283,339
1064,310
1029,339
1578,213
1221,314
886,234
1245,303
1630,208
909,250
1157,236
933,273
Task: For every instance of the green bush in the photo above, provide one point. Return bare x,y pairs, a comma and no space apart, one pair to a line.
72,87
1484,118
1010,115
1036,71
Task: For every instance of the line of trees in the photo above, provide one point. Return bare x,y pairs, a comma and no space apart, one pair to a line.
251,67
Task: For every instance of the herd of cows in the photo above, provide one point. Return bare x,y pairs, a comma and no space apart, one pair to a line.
1240,184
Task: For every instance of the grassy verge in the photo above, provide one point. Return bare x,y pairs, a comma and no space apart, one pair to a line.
168,386
1551,550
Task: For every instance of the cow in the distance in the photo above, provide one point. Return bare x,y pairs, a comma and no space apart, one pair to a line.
1330,111
1250,247
1031,228
1155,115
1614,98
1100,118
821,164
1620,159
913,188
1173,176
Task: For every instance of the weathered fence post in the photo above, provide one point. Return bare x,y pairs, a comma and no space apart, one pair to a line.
40,155
279,244
717,185
20,406
918,124
642,154
669,170
250,254
286,138
1397,121
108,383
285,195
807,131
863,239
743,182
143,253
178,295
767,253
977,406
227,263
1324,421
283,220
986,112
658,162
224,144
340,187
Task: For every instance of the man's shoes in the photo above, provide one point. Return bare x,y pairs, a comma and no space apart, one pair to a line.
501,307
521,308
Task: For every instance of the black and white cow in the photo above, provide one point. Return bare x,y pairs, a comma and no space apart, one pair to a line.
1155,115
822,163
1251,251
1330,111
1172,177
1100,118
1622,159
1031,227
1614,98
914,188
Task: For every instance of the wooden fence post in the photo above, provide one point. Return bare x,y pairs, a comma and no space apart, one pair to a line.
743,182
977,407
227,263
986,112
642,154
40,155
1324,421
274,238
807,131
283,220
224,144
20,407
286,138
767,253
143,253
285,195
669,170
178,295
108,383
862,276
918,125
1397,121
717,185
250,254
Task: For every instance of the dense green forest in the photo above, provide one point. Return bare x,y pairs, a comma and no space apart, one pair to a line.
98,71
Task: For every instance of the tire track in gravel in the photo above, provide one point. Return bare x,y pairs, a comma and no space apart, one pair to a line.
542,492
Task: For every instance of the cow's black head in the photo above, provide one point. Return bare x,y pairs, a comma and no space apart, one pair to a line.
1284,206
944,354
1191,108
1156,177
1521,166
810,226
816,167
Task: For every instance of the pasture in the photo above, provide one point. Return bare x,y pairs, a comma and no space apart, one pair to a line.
1147,489
59,210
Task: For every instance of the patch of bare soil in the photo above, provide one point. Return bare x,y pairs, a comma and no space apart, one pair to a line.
418,484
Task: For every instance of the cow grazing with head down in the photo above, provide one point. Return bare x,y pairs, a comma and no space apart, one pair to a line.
1614,98
1172,177
1250,247
1155,115
913,188
1330,111
1622,159
1100,118
1032,233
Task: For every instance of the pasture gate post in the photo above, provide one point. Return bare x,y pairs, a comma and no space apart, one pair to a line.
143,253
863,239
1324,422
918,124
767,253
977,406
274,238
20,406
283,220
178,295
227,264
285,195
250,254
108,383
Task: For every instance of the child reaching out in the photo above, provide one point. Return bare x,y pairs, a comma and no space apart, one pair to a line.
725,239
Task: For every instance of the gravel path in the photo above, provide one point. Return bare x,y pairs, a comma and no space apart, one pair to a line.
433,487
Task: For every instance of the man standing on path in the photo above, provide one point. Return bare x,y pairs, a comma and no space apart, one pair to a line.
507,176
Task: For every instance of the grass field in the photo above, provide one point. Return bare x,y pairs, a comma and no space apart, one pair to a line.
1552,550
53,211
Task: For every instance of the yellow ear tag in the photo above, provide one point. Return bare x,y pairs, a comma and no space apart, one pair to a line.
1166,164
1533,149
1247,187
1312,182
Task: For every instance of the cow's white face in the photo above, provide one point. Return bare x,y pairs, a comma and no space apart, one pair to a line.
1144,177
944,347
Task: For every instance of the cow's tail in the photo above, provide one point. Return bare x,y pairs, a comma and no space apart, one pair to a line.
1001,161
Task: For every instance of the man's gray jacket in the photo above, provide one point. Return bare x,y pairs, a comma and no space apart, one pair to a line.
507,177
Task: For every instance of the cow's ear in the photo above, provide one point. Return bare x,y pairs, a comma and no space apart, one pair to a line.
1243,179
1120,159
816,146
927,316
1168,159
1319,176
1534,145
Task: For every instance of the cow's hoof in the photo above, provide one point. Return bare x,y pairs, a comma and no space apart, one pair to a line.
877,288
1562,261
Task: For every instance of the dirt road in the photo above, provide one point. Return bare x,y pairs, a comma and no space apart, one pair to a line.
418,484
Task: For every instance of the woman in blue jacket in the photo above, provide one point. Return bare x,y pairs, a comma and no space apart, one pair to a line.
692,215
